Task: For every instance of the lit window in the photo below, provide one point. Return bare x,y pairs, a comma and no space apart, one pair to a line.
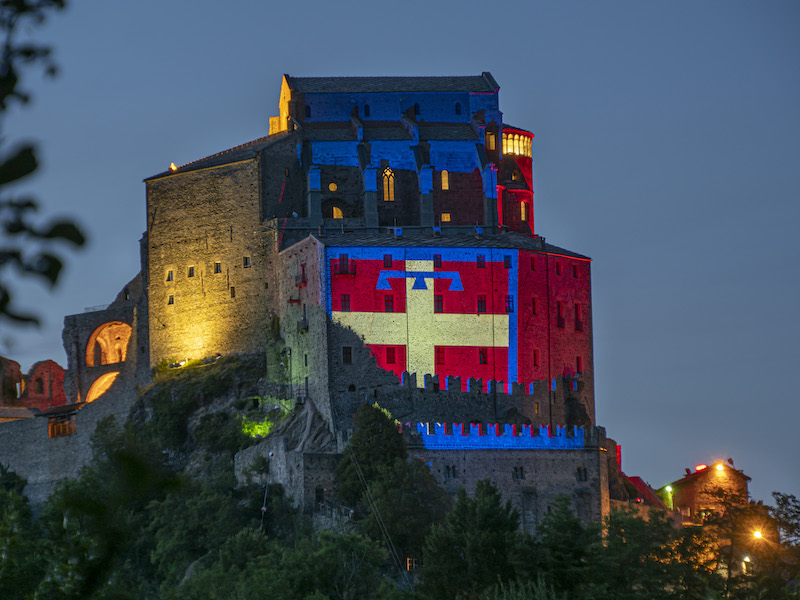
536,408
387,260
481,303
516,176
481,260
445,180
337,213
445,217
171,299
388,303
505,143
535,358
388,185
391,357
246,262
483,356
169,276
509,304
233,292
332,186
491,140
439,355
438,303
516,144
217,268
523,211
345,302
458,108
191,272
347,355
437,260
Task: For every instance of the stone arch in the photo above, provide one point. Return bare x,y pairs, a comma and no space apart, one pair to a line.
101,385
108,344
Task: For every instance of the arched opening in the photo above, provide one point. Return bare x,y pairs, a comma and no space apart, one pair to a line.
336,213
108,344
445,180
101,385
388,185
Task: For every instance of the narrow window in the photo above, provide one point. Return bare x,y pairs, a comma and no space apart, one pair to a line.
536,408
170,277
535,358
246,262
305,360
217,268
578,364
387,260
437,260
337,213
439,354
171,299
560,314
481,303
445,217
523,211
39,386
575,271
558,268
534,308
416,109
458,108
388,304
438,303
445,180
345,302
308,111
533,263
366,110
388,185
491,140
483,356
516,176
391,357
347,355
233,292
344,264
578,321
509,304
505,143
481,261
128,293
507,262
191,272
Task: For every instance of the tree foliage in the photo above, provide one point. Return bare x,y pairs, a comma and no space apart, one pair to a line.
27,246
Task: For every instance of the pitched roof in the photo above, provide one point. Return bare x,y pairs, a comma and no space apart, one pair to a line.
366,85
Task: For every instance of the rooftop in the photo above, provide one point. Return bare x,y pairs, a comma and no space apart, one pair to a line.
367,85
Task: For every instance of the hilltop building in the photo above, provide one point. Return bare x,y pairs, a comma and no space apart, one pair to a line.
385,228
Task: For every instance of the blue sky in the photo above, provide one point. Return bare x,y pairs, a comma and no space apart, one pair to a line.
667,148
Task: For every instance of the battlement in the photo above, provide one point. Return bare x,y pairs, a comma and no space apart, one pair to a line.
492,386
487,436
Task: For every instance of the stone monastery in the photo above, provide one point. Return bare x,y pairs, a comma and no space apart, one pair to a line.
385,227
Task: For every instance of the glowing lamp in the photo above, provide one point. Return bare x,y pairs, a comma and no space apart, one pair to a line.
757,534
720,467
172,167
746,559
700,467
669,489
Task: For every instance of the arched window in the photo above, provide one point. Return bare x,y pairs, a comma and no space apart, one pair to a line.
366,110
337,213
505,143
458,108
516,144
388,185
445,180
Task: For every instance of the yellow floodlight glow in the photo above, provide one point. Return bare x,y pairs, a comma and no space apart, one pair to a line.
746,559
172,167
720,467
757,534
669,489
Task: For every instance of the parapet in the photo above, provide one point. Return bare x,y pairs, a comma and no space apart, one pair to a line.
483,436
490,386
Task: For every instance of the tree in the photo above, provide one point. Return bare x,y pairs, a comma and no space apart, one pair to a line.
26,245
475,548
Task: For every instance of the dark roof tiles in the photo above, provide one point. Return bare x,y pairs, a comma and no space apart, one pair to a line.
366,85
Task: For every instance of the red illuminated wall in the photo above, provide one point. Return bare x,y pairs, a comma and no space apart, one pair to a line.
41,388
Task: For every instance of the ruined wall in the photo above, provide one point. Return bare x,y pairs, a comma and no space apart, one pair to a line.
41,388
207,263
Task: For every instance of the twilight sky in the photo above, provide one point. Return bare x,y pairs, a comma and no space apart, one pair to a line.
667,148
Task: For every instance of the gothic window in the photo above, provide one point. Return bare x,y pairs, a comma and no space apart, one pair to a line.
337,213
388,185
445,180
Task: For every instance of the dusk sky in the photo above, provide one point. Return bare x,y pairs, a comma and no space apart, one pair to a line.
667,148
